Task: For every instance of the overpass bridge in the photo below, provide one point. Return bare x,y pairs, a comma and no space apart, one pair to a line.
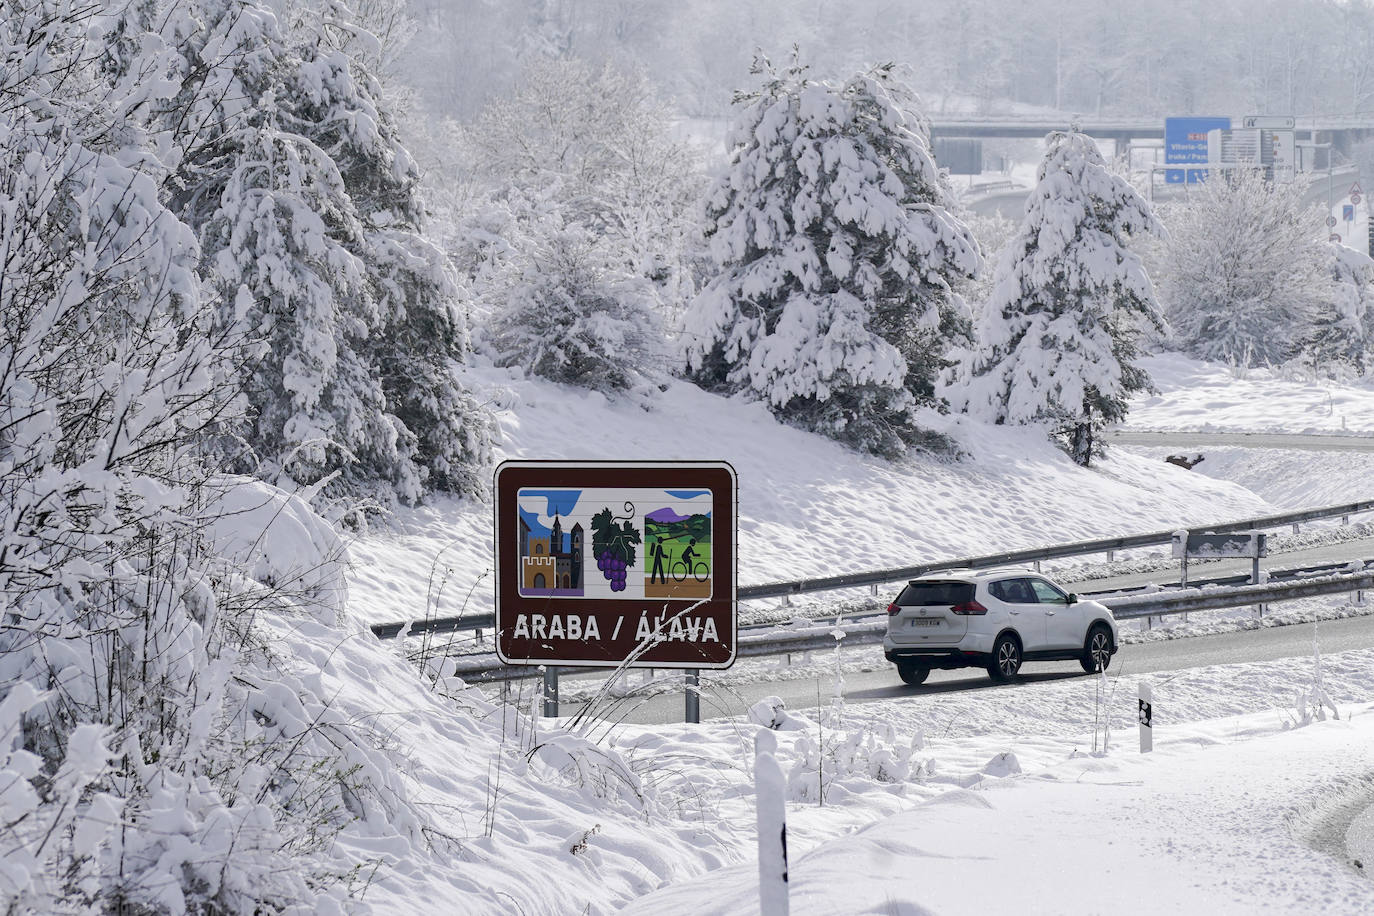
1340,131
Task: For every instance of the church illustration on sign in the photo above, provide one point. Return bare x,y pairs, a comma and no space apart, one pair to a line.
551,559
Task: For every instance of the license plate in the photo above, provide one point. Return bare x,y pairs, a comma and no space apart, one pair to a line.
925,621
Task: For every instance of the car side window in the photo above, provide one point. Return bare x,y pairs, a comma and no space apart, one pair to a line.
1047,593
1013,591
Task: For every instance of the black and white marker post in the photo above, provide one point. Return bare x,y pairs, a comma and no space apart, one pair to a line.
771,805
1146,716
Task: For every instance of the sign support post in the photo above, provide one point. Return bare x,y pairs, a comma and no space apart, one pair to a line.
550,692
692,690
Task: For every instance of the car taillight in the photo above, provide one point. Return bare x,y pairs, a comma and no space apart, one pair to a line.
969,608
892,610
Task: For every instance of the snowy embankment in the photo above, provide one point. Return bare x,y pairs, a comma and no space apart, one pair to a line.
1213,821
807,506
520,814
1200,396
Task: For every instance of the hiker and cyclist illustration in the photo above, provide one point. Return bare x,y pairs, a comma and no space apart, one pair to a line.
679,552
680,569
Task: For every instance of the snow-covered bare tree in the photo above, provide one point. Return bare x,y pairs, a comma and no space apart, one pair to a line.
597,144
154,756
836,254
110,369
1057,340
1245,269
563,309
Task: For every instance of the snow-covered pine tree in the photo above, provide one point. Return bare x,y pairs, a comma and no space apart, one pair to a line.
1057,340
444,435
1244,270
1341,333
281,154
836,253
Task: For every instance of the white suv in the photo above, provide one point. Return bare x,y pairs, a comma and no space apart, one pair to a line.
994,620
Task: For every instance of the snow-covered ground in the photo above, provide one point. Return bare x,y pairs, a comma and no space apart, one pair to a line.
1208,396
1031,797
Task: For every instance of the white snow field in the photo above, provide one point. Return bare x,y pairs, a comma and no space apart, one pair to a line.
1031,797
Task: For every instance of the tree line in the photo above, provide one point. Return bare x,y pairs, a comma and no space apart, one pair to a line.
832,274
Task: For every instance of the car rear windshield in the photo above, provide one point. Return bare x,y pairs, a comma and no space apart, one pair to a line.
925,594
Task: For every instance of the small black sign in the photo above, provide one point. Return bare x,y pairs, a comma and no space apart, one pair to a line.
1144,714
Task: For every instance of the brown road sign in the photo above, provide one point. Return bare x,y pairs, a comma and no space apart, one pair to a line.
598,560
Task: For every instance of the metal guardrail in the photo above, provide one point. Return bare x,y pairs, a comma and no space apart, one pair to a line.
901,573
1033,555
1132,607
780,640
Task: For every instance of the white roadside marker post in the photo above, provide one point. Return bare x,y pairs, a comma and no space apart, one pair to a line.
1146,716
771,807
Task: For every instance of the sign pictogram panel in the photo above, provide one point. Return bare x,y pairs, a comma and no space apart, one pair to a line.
597,561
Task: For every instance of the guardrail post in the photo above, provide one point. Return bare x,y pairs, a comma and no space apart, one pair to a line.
1145,714
692,689
550,691
873,589
1037,565
1254,580
1345,519
1111,556
479,636
1295,527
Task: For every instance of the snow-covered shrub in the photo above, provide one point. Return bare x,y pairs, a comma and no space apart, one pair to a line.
1311,702
841,756
1244,270
771,713
835,253
1057,340
562,309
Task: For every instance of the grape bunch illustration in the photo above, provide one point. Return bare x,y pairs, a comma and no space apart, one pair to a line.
612,567
613,542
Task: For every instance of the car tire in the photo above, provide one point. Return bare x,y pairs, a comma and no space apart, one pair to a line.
912,674
1097,649
1006,658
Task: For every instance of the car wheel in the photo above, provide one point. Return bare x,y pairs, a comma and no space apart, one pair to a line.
912,674
1097,650
1006,658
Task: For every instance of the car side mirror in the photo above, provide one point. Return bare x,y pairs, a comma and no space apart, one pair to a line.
1073,599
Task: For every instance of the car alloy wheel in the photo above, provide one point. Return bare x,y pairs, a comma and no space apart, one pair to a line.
1098,654
1006,659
